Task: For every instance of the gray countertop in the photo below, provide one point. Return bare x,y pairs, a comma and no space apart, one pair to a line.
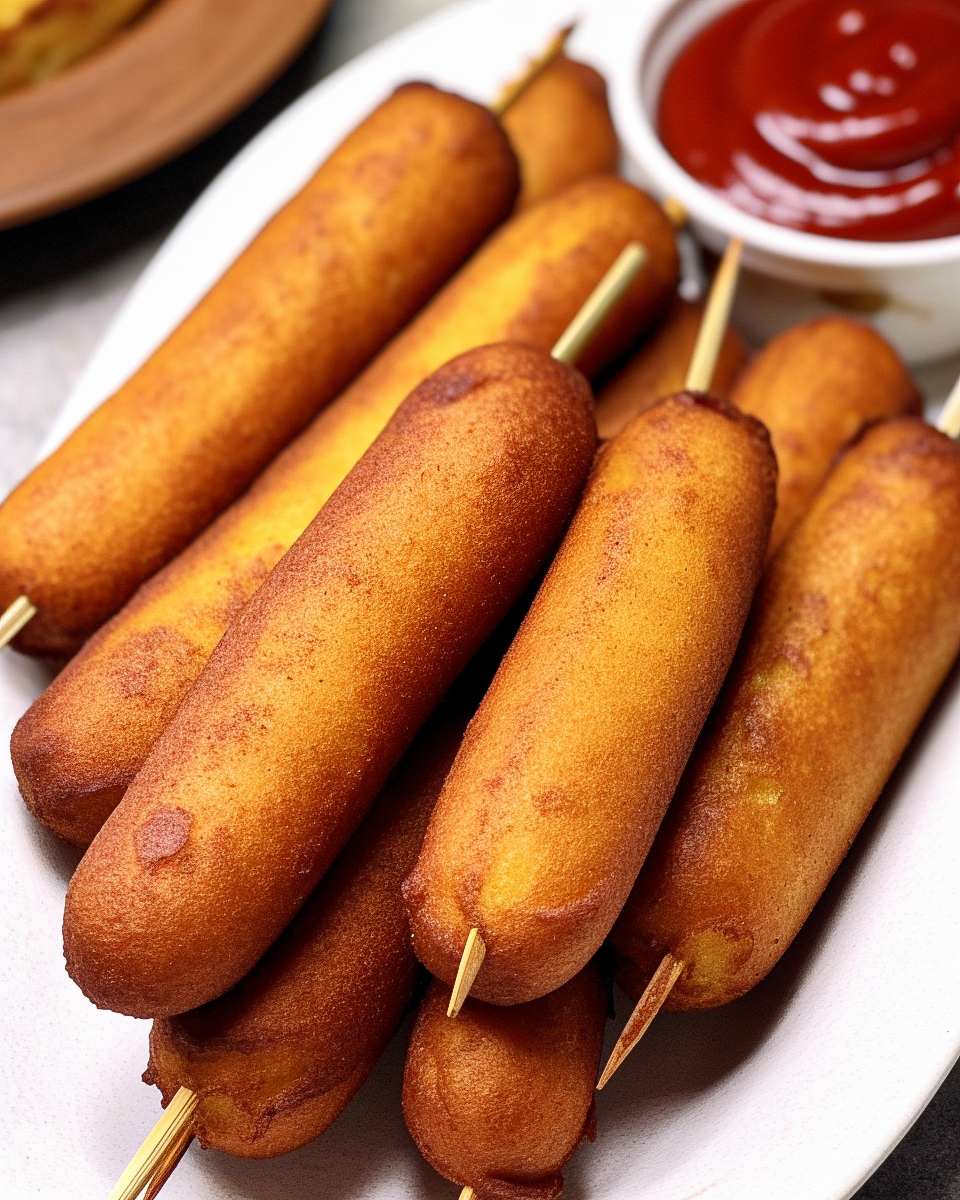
63,278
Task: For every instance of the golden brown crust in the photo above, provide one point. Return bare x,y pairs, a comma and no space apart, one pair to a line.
566,770
500,1098
387,218
83,741
659,368
815,387
854,629
277,1058
561,130
316,689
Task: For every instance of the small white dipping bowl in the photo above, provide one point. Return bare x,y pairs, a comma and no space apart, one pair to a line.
910,291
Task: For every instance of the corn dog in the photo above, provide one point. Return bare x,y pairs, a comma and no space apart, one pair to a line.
277,1058
78,747
815,387
386,219
566,770
499,1099
659,367
854,629
316,689
561,130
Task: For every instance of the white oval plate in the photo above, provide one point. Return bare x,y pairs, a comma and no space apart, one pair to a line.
797,1091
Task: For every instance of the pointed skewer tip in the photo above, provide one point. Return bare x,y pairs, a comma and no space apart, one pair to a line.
471,961
653,999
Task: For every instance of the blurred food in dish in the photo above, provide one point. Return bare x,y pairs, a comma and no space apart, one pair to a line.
38,38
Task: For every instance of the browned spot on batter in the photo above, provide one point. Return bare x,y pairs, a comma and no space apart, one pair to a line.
550,800
139,668
448,386
244,581
797,659
685,504
677,457
163,834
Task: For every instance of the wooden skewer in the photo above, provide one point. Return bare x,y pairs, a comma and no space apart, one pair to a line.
653,999
168,1164
167,1142
467,1193
153,1154
714,323
574,339
676,213
514,90
949,422
599,304
13,620
699,378
471,961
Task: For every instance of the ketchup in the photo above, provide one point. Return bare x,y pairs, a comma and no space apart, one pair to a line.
841,117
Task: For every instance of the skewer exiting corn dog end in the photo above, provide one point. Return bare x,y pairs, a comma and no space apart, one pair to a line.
170,1138
155,1153
862,602
700,373
653,999
499,1100
272,1063
949,420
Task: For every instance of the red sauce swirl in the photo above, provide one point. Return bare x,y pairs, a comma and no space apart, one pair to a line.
841,117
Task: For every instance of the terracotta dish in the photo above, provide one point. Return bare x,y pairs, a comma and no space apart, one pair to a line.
156,88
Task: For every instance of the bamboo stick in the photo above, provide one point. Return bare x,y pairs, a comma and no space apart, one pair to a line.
13,620
653,999
715,319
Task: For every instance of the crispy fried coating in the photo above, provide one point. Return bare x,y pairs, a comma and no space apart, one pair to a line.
277,1058
499,1099
386,219
78,747
659,368
815,387
561,130
315,691
567,769
854,629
